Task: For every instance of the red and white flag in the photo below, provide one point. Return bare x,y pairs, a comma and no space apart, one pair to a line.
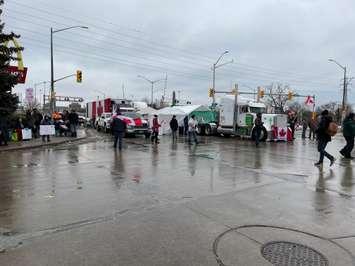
309,101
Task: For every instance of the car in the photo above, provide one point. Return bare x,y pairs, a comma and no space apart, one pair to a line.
103,122
135,124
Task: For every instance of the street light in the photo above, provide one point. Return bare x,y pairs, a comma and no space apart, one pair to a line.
152,83
101,93
214,67
345,92
52,100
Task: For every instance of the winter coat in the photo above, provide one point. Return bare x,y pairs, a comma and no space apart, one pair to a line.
192,125
349,128
73,118
118,125
156,124
174,124
322,130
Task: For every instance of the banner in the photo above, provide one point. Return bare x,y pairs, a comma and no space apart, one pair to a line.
46,130
29,95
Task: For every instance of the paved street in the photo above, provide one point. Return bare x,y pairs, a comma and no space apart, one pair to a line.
172,204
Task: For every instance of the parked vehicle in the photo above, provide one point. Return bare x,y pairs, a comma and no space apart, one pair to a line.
103,122
135,124
237,115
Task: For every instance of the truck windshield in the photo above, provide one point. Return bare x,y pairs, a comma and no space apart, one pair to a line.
257,110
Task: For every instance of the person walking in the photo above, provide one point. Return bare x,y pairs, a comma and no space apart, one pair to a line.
174,126
155,130
324,137
258,127
312,128
46,122
118,127
4,130
192,130
348,133
73,122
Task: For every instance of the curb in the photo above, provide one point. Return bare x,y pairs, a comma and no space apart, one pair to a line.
42,145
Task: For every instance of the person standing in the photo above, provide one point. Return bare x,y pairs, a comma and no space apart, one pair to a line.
73,122
4,131
349,133
304,128
324,137
118,127
46,122
186,125
292,120
174,126
155,130
192,130
312,128
258,127
37,118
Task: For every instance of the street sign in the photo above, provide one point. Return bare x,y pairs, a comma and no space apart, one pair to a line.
21,74
66,99
29,95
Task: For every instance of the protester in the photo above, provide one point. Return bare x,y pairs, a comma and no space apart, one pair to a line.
312,128
29,122
304,128
292,120
73,122
324,137
174,126
4,131
37,118
192,130
186,125
155,130
18,128
349,133
46,122
258,128
118,127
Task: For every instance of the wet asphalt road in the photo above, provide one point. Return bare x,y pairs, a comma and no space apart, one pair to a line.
64,188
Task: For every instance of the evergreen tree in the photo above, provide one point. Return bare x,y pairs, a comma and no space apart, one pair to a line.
8,100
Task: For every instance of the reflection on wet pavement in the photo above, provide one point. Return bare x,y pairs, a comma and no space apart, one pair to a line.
51,187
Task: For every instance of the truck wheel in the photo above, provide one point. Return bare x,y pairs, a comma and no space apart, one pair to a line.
208,130
263,135
200,130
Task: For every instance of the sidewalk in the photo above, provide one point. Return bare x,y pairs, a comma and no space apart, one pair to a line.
37,143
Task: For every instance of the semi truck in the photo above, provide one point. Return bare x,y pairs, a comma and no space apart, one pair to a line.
237,115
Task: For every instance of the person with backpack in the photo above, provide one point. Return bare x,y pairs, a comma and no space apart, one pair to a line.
348,133
174,126
323,137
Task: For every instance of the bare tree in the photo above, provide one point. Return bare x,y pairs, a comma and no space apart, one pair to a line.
277,97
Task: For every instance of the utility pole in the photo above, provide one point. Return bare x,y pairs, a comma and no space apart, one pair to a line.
123,92
345,91
152,86
214,67
165,85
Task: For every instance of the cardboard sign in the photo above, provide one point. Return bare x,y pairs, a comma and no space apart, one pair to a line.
26,133
46,130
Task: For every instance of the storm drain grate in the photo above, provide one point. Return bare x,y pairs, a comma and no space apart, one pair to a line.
283,253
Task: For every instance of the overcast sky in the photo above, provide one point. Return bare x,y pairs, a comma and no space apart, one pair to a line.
269,40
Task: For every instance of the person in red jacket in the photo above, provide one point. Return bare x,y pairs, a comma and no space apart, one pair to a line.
155,129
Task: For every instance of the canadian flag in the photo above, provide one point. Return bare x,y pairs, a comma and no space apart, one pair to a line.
309,101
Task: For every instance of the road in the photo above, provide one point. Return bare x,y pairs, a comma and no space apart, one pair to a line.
173,204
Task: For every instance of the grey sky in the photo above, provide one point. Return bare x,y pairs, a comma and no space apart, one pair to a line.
274,40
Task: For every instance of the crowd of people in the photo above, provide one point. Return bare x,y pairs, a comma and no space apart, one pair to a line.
65,124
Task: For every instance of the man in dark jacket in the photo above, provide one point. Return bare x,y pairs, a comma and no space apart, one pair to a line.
349,133
37,117
174,127
258,128
118,127
323,138
4,131
73,122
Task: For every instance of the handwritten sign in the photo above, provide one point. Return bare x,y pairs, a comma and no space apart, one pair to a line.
46,130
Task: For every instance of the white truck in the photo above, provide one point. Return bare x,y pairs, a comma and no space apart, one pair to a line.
237,115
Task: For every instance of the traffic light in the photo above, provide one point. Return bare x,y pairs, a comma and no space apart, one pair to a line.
261,93
289,95
79,76
211,93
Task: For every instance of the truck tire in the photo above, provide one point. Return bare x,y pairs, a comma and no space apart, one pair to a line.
200,130
208,130
263,136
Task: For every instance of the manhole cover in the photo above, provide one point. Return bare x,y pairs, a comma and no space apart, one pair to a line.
283,253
